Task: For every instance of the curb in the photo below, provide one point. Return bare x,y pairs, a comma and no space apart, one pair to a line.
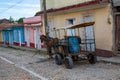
21,48
109,60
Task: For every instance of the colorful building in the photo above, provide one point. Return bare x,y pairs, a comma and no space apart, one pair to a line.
63,13
33,30
1,41
2,22
13,35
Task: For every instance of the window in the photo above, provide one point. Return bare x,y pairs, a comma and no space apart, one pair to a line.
71,21
71,32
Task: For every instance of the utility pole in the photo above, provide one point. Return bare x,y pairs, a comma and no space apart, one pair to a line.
45,17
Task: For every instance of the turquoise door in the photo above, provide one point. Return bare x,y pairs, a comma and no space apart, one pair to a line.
10,37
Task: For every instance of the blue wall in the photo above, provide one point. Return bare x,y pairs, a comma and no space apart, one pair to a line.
12,34
16,31
7,35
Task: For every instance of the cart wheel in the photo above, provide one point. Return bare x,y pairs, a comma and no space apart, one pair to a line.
91,58
68,63
58,59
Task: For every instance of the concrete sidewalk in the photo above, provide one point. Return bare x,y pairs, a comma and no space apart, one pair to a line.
22,48
114,59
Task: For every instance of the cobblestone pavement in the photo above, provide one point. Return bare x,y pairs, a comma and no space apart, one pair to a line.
11,72
40,65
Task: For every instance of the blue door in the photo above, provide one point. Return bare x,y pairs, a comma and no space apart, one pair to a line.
10,37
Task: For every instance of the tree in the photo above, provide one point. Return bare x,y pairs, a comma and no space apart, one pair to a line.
11,20
20,20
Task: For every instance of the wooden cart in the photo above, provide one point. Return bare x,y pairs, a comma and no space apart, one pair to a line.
70,50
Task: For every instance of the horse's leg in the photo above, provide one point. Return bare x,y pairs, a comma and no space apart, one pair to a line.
49,52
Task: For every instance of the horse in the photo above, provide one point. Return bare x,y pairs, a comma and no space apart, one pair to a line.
49,43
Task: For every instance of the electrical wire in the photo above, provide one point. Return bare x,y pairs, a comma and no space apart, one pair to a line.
11,6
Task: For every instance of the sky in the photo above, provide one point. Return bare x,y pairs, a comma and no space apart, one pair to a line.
18,8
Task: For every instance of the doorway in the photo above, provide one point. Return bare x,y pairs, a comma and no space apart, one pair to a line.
51,25
117,32
88,34
10,37
28,36
35,38
20,41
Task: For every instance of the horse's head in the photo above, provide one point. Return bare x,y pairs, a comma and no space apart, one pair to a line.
43,38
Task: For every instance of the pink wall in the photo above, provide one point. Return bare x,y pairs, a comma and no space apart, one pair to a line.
29,31
31,24
31,34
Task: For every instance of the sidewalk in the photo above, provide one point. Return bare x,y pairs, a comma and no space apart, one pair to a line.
114,59
22,48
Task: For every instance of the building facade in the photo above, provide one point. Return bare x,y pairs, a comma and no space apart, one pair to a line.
33,30
2,21
54,4
64,13
1,41
13,36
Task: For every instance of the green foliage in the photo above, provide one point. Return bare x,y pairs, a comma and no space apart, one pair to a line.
11,20
20,20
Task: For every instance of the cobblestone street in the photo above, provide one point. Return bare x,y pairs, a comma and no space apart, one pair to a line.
60,40
36,67
11,72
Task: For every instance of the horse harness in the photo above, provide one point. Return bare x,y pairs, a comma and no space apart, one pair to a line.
48,39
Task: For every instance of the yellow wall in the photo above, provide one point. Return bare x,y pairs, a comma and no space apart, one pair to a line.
62,3
103,29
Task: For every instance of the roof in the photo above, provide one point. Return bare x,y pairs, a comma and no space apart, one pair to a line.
2,21
2,26
81,5
32,20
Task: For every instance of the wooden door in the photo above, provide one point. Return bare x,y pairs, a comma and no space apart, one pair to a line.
118,32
